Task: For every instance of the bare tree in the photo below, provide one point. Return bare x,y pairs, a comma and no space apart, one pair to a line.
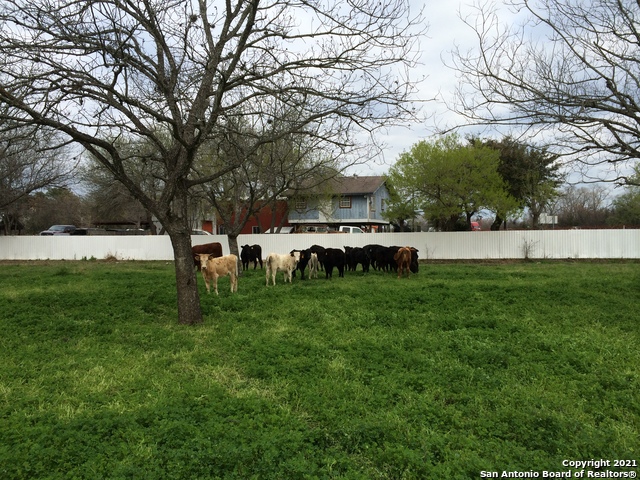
54,206
164,72
583,206
288,162
28,163
626,207
569,71
110,201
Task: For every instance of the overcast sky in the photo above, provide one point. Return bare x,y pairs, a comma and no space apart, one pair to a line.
445,30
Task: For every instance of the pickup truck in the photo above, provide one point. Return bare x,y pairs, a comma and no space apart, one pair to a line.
59,230
347,229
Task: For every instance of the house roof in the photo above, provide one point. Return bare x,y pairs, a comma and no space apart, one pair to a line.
358,185
354,185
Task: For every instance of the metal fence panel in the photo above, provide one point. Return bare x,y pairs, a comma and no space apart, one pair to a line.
517,244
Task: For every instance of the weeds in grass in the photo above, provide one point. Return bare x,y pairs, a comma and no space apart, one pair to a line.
457,370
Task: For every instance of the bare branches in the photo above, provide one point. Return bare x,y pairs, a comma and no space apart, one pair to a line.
571,69
29,164
126,68
170,75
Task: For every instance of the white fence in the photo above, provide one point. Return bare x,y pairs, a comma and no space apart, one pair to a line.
551,244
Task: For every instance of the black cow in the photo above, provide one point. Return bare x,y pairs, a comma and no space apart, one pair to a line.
384,258
372,250
386,262
414,266
332,257
318,250
355,256
305,256
250,254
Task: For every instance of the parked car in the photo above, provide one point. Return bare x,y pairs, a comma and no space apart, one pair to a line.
282,230
59,230
347,229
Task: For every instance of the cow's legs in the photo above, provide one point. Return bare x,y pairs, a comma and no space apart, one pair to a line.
206,281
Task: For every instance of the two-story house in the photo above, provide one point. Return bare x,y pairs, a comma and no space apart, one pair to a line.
357,201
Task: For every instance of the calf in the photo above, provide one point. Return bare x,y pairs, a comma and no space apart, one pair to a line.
305,256
332,257
356,255
384,258
214,267
214,249
317,249
286,263
403,259
314,265
372,250
250,254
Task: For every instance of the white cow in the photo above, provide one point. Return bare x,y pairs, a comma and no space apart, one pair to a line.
286,263
214,267
314,266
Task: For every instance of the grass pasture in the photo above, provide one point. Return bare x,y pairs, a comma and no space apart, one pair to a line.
458,370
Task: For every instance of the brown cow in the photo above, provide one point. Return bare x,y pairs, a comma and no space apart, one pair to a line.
214,249
214,267
403,259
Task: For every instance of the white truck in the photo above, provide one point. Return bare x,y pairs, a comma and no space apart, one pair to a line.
348,229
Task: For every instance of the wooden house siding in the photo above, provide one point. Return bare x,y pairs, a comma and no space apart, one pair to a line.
365,207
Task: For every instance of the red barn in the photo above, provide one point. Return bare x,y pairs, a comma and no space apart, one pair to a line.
257,223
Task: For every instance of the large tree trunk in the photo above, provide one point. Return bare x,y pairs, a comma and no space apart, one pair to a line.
469,216
535,209
233,244
189,311
497,223
235,250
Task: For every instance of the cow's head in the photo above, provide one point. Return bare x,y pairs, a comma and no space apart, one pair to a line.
296,256
203,258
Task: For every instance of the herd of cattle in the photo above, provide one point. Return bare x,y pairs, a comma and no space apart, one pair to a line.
209,259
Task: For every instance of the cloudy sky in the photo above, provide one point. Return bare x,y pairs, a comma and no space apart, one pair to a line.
445,30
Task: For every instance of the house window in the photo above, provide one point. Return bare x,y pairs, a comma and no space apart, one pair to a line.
382,204
255,229
372,204
301,204
345,202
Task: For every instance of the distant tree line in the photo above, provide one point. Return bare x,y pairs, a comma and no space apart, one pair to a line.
447,183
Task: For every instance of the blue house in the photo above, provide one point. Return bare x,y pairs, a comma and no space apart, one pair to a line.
353,201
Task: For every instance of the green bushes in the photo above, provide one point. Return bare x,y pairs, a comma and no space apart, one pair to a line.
457,370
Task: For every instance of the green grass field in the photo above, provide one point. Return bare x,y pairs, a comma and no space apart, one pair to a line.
460,370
